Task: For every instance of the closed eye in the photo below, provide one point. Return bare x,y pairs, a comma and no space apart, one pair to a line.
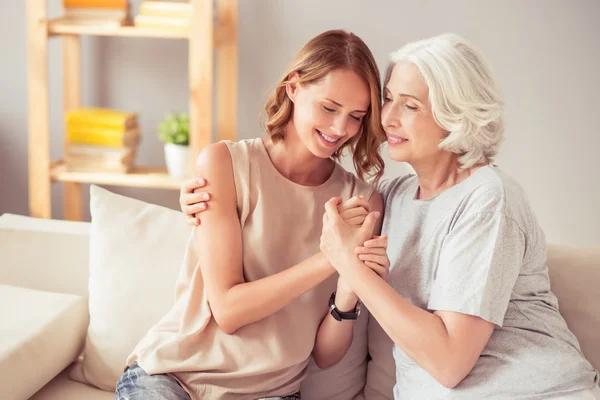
328,109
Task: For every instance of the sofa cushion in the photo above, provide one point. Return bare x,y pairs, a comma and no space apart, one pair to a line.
42,333
136,252
575,280
53,252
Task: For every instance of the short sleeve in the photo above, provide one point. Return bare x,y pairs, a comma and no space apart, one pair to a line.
479,263
383,187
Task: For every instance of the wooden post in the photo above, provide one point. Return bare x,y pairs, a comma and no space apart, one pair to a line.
227,70
71,47
40,205
200,67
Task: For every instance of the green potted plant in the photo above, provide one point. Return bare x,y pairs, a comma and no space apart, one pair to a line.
174,132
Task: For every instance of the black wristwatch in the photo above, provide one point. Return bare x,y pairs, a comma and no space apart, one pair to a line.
340,316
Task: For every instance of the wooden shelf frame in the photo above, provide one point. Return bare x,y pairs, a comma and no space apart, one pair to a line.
60,26
208,38
142,177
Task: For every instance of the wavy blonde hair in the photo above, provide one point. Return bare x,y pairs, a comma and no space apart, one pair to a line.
463,92
332,50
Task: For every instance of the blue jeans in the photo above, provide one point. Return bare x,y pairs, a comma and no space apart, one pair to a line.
136,384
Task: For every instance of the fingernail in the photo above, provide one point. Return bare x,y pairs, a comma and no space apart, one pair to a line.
377,214
203,205
201,181
205,197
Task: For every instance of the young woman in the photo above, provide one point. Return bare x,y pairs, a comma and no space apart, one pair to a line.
468,306
252,301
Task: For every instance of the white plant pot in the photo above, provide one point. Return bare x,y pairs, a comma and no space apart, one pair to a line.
177,158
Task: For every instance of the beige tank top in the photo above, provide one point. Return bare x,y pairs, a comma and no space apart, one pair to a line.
281,226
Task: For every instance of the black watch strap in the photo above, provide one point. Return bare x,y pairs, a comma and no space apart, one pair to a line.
339,315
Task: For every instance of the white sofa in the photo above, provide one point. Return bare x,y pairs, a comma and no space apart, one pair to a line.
44,296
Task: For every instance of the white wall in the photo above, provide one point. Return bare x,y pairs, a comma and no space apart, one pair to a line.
546,54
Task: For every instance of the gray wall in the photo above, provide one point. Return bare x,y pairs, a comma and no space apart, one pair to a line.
546,54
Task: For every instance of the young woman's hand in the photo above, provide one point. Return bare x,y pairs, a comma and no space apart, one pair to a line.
374,254
193,201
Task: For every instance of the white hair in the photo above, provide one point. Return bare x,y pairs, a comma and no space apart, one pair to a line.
464,95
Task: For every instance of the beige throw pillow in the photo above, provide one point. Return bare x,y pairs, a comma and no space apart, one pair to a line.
575,279
136,251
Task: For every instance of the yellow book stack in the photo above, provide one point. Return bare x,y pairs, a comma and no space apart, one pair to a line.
101,140
164,15
97,12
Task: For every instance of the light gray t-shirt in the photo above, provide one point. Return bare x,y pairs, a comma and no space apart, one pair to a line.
477,249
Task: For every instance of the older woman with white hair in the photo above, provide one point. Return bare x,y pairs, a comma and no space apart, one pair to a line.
467,304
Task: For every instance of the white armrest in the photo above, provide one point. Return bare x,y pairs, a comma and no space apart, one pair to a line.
41,254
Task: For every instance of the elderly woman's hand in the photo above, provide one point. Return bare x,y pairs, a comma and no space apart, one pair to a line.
339,238
192,201
374,254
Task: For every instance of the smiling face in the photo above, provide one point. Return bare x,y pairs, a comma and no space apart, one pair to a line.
322,97
412,132
329,112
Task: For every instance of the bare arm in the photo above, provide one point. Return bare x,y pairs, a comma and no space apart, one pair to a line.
335,337
445,344
234,302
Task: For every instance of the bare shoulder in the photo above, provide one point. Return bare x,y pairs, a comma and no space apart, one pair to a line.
215,155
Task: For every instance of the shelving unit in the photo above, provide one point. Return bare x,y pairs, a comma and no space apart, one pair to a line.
145,177
64,27
212,34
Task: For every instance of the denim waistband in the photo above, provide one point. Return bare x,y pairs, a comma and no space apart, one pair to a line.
295,396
